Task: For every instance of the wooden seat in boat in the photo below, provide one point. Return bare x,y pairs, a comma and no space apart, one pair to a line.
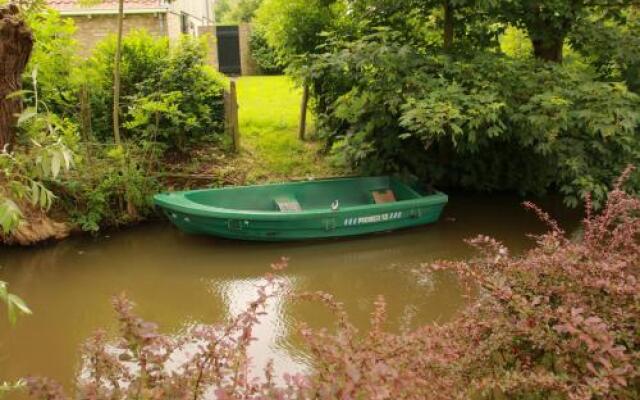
288,204
383,196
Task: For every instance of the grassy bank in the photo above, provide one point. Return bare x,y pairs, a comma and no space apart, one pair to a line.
268,116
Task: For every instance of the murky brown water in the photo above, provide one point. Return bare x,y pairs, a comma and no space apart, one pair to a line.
177,279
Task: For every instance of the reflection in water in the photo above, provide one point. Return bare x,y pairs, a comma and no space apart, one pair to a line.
178,280
271,330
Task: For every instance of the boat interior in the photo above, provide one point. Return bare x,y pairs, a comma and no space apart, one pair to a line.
307,195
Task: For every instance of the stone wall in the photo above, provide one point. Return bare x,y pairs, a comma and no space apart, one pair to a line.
209,32
93,29
174,27
248,64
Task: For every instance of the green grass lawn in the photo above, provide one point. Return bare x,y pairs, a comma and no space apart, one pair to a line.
268,118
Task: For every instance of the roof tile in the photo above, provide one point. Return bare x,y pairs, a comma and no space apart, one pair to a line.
67,5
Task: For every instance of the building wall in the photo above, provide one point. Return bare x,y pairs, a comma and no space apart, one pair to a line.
209,32
93,29
247,63
198,13
174,26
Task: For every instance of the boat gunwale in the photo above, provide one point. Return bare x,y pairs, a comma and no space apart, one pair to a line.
178,201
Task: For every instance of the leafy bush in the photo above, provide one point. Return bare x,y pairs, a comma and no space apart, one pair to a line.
171,101
54,62
486,122
558,322
193,93
114,188
292,27
561,321
42,152
143,59
170,94
244,10
611,42
264,55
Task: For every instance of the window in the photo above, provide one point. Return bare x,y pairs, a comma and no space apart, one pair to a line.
184,23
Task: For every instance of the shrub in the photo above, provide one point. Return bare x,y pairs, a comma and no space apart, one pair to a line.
44,150
185,105
169,94
264,55
610,42
558,322
482,121
143,58
113,187
53,61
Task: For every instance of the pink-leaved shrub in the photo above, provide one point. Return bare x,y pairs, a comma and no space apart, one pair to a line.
561,321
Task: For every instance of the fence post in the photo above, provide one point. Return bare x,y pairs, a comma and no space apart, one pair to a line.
303,112
85,112
231,115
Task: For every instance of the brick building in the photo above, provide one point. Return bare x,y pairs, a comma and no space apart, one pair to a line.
158,17
162,18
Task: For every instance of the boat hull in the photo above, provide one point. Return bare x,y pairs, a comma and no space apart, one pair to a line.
304,225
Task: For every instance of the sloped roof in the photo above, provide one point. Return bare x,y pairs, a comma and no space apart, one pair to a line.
107,5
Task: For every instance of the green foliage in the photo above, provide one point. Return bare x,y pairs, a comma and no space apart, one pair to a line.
116,189
245,10
293,27
7,387
53,60
488,113
264,55
488,122
143,58
198,92
10,215
15,305
221,10
236,11
169,94
171,101
611,42
43,152
515,43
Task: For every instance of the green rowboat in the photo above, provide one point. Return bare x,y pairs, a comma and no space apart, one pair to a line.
314,209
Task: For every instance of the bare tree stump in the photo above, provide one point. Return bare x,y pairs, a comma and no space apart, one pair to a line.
16,43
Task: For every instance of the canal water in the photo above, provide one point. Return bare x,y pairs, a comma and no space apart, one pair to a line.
177,280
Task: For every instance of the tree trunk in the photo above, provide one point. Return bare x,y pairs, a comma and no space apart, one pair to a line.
549,49
116,76
16,43
448,25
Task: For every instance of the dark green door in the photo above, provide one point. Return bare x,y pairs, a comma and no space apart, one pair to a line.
228,49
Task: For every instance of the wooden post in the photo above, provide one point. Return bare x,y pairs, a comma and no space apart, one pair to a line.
303,112
231,115
85,112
